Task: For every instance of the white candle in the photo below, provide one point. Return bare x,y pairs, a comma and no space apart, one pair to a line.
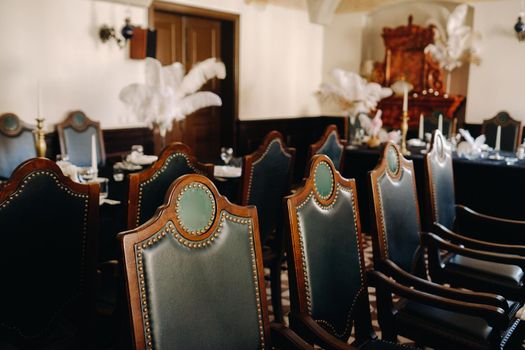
405,97
440,123
421,127
498,139
94,161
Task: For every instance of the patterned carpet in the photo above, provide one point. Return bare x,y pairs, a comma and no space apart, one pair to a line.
285,296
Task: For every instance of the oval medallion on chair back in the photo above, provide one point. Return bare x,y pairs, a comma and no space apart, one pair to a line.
17,143
48,226
331,146
267,174
147,189
75,135
194,273
396,209
440,182
329,277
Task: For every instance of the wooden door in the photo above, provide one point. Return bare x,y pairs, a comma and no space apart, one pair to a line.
189,40
202,129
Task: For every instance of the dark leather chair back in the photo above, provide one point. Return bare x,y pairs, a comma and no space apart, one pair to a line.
440,182
75,134
17,143
324,252
510,131
432,123
48,225
147,189
330,145
266,180
195,273
396,210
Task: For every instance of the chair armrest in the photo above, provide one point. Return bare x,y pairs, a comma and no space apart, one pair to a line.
403,277
285,338
311,331
494,316
484,226
477,244
433,241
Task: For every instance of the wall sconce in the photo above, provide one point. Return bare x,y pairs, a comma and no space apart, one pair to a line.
519,27
107,33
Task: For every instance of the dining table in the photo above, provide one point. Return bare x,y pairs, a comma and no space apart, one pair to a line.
489,186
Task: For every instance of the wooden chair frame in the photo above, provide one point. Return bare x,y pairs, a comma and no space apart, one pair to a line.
131,240
9,190
491,307
136,179
22,126
510,121
70,122
314,148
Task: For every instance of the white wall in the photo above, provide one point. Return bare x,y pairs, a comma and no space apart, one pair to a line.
342,49
55,42
497,83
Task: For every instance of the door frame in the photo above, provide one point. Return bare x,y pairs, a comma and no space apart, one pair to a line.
234,21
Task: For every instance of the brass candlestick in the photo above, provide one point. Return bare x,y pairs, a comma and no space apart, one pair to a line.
40,138
404,129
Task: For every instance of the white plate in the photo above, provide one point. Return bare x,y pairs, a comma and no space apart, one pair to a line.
227,171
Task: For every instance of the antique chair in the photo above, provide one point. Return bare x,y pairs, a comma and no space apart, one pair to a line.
442,212
49,225
194,275
331,145
510,131
267,174
17,143
432,123
75,134
326,268
148,188
444,317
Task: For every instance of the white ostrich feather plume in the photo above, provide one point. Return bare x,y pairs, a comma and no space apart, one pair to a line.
457,44
353,93
168,94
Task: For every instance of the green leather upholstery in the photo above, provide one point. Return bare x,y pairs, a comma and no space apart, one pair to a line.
399,210
152,191
78,146
268,186
200,294
442,183
14,149
332,261
332,149
45,231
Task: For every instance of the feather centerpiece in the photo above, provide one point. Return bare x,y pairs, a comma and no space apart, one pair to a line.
455,45
352,93
169,94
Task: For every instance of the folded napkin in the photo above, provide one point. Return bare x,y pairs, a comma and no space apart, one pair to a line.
227,171
416,143
140,159
69,169
471,147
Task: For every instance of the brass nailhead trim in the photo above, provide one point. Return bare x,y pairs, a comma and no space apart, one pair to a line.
158,173
331,181
177,209
169,229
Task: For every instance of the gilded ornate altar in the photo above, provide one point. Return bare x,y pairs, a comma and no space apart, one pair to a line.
405,58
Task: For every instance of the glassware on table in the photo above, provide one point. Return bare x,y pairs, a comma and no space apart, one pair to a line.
118,172
62,158
138,149
226,154
87,174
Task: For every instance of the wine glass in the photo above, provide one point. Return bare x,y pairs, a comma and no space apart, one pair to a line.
87,174
226,154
